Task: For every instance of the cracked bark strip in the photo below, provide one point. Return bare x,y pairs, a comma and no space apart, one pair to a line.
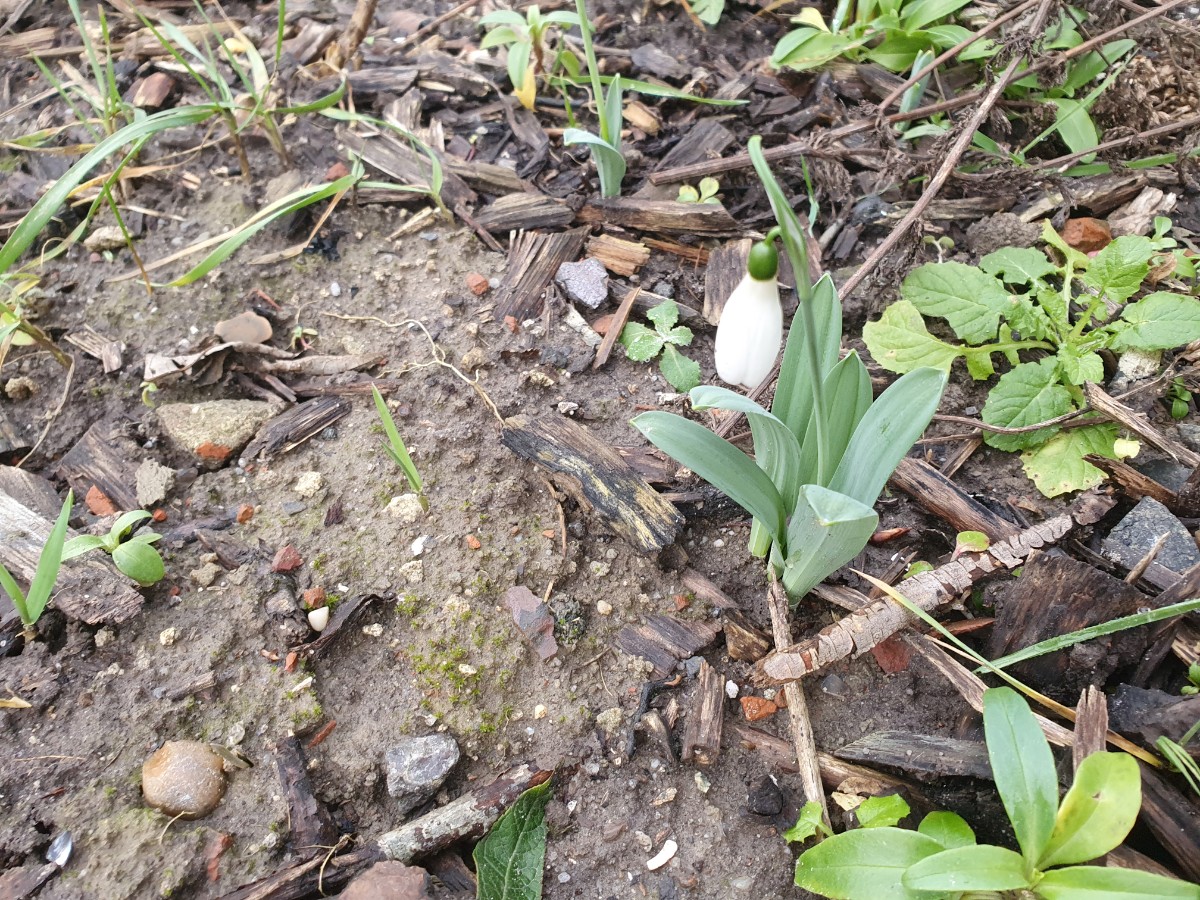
860,631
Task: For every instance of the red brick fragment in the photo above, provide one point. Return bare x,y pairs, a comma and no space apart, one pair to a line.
214,452
1087,235
892,655
755,708
477,284
245,513
98,503
159,515
313,597
473,542
336,171
287,559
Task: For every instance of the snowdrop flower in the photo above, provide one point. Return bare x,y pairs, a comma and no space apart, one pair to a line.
751,328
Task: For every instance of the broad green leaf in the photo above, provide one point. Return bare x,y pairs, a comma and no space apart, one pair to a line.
978,867
826,531
520,72
919,13
948,829
15,594
1030,320
847,397
682,373
1118,270
1058,466
1018,265
1082,366
1083,70
503,17
969,299
808,48
139,561
881,812
81,544
610,164
719,463
509,861
1159,321
1108,883
1023,768
887,432
1028,394
126,521
664,315
866,862
561,17
810,822
641,343
971,542
680,335
794,394
498,37
900,342
708,11
1097,812
1075,126
898,51
688,194
979,363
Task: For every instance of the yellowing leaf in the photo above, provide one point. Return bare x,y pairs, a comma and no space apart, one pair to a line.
14,702
1058,466
810,15
527,92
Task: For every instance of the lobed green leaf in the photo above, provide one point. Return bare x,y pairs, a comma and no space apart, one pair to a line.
1058,465
900,342
969,299
1159,321
1027,394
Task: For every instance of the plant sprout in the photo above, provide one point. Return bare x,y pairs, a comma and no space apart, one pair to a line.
396,449
31,605
133,556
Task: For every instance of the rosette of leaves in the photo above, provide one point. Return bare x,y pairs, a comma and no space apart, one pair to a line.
643,344
525,37
1018,300
132,554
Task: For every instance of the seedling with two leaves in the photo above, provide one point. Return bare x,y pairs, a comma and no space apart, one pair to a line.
824,451
941,859
396,449
133,554
704,192
529,53
643,344
1020,300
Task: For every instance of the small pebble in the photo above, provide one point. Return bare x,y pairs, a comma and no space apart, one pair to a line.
664,856
183,778
335,290
731,689
309,484
168,636
834,686
374,631
318,618
604,607
539,711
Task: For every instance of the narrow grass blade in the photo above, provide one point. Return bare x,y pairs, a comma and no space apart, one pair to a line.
720,463
49,563
847,398
15,594
396,448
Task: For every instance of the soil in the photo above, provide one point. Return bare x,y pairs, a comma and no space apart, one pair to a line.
436,649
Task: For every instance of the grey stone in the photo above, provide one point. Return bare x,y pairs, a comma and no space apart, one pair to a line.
1166,472
1131,540
281,603
417,766
584,282
408,508
1190,436
1001,230
214,431
154,482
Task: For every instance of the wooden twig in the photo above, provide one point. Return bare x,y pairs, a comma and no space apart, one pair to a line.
942,497
615,327
1107,406
360,24
860,631
808,766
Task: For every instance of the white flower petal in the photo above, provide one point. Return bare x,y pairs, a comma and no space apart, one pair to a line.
750,333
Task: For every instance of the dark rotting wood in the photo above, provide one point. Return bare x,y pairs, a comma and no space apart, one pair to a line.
943,498
94,461
1135,484
291,428
665,640
533,261
920,755
515,211
312,828
406,165
702,734
595,471
704,140
726,267
342,615
744,640
1174,819
704,589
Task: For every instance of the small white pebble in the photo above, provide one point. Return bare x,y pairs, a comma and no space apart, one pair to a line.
563,877
731,689
604,607
335,289
375,630
318,618
718,543
702,783
539,711
664,856
467,670
168,636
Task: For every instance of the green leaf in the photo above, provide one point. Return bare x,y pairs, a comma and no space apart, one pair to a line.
793,402
968,298
1118,270
641,344
1097,812
1028,394
81,544
395,444
866,862
887,432
610,164
718,462
1073,257
1023,768
847,396
708,11
979,867
125,522
1058,466
688,194
139,561
1018,265
826,531
1080,366
15,594
519,71
498,37
979,363
971,542
1086,68
1075,126
682,373
810,822
898,51
1159,321
881,812
918,14
509,861
900,342
1107,883
680,335
948,829
503,17
808,48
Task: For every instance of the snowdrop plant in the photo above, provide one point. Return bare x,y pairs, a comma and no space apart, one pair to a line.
751,329
825,450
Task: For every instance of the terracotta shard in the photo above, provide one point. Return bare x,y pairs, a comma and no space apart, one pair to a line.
533,618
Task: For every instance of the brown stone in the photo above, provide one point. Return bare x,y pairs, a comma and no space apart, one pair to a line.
389,880
313,597
473,542
183,778
152,91
336,171
98,503
248,328
755,708
1087,235
245,513
287,559
477,284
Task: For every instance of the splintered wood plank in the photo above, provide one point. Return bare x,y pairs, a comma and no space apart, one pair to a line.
405,164
705,140
702,734
665,640
596,473
486,177
920,754
530,210
1133,483
1174,819
89,588
618,255
533,261
946,500
290,429
668,216
745,641
93,461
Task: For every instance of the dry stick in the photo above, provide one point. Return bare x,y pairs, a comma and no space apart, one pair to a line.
961,143
1062,161
360,23
433,25
808,765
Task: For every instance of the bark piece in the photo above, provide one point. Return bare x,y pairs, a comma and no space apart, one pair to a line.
745,641
669,216
517,211
94,461
96,345
1102,403
291,428
702,735
406,165
1135,484
468,817
726,267
312,828
946,500
342,616
921,755
89,588
705,140
486,177
615,327
533,260
619,256
665,640
32,491
596,473
705,590
1091,726
1174,819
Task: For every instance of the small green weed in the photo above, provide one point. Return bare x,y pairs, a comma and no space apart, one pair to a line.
134,556
30,606
396,449
643,344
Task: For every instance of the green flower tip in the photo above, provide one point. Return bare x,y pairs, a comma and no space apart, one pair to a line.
763,263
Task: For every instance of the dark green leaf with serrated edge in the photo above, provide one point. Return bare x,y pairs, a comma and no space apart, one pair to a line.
971,300
641,344
1028,394
1018,265
900,342
1058,466
680,334
509,861
880,812
1080,367
664,315
1118,270
1159,321
866,862
681,372
977,867
948,829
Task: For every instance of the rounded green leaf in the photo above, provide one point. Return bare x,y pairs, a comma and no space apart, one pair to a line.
966,297
1028,394
1097,812
978,867
1104,883
867,862
948,829
900,342
139,561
